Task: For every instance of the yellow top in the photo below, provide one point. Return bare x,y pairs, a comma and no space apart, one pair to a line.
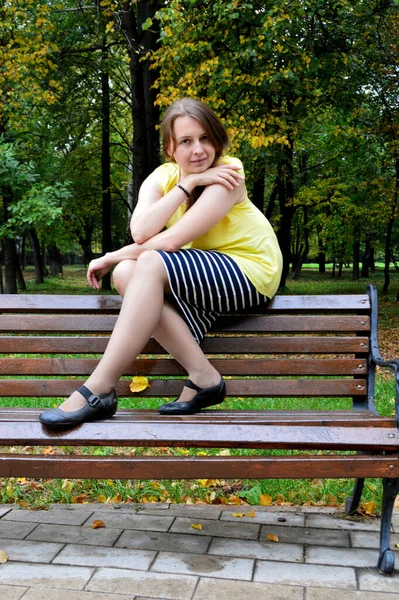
244,234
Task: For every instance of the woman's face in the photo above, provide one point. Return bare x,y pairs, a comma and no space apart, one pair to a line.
192,150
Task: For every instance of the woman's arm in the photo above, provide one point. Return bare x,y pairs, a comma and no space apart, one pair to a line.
154,210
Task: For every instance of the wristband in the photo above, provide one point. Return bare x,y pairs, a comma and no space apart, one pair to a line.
183,190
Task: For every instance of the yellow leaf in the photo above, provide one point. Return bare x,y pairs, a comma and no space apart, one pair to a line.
97,524
67,485
139,384
23,504
208,482
251,514
3,557
197,526
265,500
235,500
272,538
369,507
237,514
101,498
225,452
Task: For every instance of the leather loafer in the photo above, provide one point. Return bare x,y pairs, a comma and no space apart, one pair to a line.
205,397
97,407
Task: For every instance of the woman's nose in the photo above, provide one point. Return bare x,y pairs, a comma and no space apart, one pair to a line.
197,147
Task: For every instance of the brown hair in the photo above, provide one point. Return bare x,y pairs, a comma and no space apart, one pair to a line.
214,129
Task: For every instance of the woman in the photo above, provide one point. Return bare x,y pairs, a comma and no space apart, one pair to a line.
217,254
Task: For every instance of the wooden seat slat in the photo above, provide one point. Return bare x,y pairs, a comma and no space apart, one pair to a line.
56,304
193,467
278,388
182,433
272,323
335,418
159,366
217,345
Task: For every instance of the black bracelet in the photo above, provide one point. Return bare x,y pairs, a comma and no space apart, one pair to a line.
183,189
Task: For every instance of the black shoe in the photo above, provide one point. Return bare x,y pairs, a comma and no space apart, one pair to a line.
205,397
97,407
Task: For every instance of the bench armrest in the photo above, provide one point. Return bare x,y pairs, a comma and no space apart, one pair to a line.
375,355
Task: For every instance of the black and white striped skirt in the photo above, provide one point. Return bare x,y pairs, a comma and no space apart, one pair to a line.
205,284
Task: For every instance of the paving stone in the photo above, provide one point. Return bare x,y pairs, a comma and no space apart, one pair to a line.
97,556
377,582
69,534
215,566
11,592
262,550
125,520
323,594
312,575
25,551
365,539
61,517
300,535
56,576
154,540
140,583
249,531
345,557
4,510
333,522
40,593
267,518
12,530
202,512
209,589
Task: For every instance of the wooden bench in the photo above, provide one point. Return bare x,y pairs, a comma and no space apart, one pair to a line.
300,347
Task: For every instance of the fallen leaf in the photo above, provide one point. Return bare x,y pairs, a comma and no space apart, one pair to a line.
265,500
48,450
197,526
3,557
251,514
237,514
97,524
233,499
272,538
225,452
23,504
139,384
369,507
67,485
208,482
396,545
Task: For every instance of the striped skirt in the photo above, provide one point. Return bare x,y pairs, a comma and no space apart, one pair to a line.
206,284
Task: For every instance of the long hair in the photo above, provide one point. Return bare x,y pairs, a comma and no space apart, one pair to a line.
215,130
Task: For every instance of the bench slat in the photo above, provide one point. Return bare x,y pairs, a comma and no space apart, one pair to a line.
90,323
179,433
217,344
211,467
57,304
159,366
331,418
166,388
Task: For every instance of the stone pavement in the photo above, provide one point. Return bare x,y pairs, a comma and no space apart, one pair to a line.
152,552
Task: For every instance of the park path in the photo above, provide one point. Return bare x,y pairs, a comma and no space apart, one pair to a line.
199,552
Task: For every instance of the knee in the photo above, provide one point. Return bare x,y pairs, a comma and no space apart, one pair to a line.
122,274
150,263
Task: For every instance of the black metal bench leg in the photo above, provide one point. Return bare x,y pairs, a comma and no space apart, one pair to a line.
352,502
386,559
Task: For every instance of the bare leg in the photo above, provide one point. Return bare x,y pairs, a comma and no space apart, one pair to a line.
144,313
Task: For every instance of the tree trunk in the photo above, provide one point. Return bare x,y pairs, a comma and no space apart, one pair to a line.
305,250
55,260
258,190
285,195
367,256
37,256
105,168
20,277
272,200
144,113
388,238
356,259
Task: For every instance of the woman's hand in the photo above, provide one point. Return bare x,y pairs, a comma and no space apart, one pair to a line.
97,269
226,175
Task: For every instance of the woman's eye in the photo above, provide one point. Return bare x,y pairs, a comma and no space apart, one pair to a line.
184,142
204,138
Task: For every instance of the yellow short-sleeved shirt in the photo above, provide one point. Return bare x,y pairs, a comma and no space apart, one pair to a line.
244,234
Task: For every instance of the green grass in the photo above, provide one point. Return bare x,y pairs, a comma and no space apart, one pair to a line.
42,493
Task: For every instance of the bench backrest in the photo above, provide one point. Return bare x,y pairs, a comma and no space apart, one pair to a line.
296,346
